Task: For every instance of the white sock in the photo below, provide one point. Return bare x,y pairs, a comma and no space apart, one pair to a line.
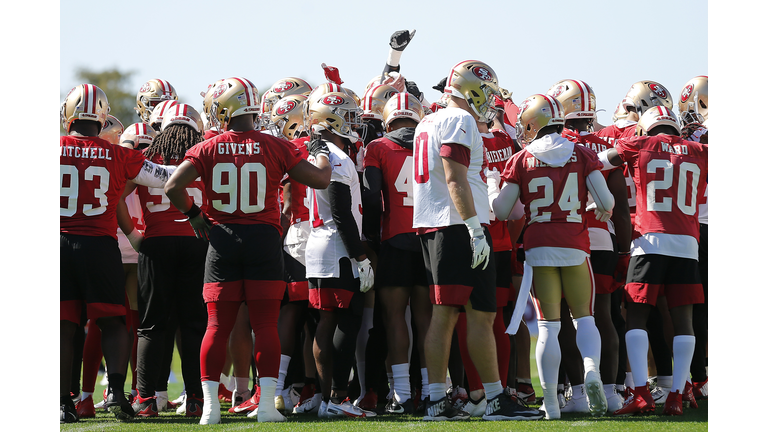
84,395
424,383
210,396
224,379
588,341
241,384
629,380
268,386
402,381
548,351
578,391
493,389
437,391
550,403
284,362
682,347
163,393
637,354
664,380
609,389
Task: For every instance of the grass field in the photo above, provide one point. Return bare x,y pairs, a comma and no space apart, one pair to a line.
691,420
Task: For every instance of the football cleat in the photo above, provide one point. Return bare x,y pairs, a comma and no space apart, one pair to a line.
309,405
421,408
613,398
458,394
118,404
660,394
346,409
640,402
280,403
162,400
68,410
85,408
577,403
596,399
395,407
211,412
181,403
526,392
145,407
238,398
369,401
701,389
689,401
674,404
193,406
443,410
503,407
291,398
474,408
249,405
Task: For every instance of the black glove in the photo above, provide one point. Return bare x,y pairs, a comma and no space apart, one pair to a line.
441,85
400,39
413,89
200,222
317,146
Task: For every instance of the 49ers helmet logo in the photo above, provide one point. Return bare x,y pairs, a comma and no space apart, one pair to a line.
482,73
219,90
285,107
283,87
333,100
146,87
558,91
687,92
659,90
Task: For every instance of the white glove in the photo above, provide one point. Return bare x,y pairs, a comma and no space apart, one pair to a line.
480,248
366,275
601,216
135,238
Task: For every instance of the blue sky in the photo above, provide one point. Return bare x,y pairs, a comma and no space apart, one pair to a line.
531,45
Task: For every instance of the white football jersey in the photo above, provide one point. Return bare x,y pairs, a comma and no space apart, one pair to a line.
324,245
433,206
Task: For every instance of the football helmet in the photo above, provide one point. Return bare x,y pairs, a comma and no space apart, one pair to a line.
374,100
183,114
475,82
156,118
316,94
576,97
138,136
282,88
112,130
402,105
656,116
645,94
84,102
231,98
620,113
338,113
694,103
207,98
288,115
152,93
537,112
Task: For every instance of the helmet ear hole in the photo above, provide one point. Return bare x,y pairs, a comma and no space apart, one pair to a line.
702,104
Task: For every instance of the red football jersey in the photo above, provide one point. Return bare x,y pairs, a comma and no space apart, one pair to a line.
160,216
670,174
554,198
241,172
299,200
498,150
396,165
610,134
596,144
92,174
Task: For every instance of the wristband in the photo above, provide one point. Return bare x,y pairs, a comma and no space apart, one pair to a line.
473,223
193,211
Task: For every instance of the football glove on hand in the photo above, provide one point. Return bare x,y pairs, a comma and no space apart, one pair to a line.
317,147
135,238
480,248
400,39
200,222
601,216
365,272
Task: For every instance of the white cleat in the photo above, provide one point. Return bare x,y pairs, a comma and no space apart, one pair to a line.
578,401
311,405
598,405
269,414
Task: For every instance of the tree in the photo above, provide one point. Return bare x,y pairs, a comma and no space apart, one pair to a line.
115,83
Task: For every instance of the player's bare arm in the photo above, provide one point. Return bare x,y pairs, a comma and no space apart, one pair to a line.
459,189
610,159
621,218
601,195
176,187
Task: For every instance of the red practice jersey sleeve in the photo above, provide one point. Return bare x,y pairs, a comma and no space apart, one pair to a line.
299,196
596,144
498,150
92,174
242,172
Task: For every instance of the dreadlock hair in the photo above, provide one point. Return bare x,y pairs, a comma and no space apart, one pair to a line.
173,142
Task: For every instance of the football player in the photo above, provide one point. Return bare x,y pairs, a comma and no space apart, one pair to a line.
151,94
694,113
171,262
450,208
670,176
579,107
552,176
241,169
388,216
337,267
91,265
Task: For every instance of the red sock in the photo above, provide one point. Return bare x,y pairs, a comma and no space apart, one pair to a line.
266,347
91,356
502,345
473,378
221,320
